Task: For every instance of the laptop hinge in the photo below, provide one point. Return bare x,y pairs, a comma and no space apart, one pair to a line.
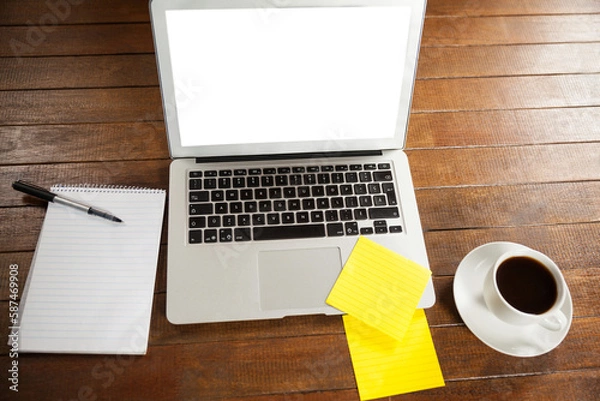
286,156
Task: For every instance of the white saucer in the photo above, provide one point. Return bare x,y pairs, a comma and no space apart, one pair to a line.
520,341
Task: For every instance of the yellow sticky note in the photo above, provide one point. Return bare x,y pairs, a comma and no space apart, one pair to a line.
384,367
379,287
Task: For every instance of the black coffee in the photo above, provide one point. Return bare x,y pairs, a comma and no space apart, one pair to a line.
526,284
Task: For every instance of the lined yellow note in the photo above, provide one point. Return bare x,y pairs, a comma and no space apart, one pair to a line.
379,287
384,366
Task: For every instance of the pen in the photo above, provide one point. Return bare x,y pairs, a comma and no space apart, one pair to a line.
46,195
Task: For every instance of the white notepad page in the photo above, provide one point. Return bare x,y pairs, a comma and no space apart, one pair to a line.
91,283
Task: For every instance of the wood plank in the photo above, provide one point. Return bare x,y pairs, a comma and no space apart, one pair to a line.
20,12
116,105
486,61
314,363
53,12
40,40
502,93
80,106
509,206
140,69
506,127
571,246
476,8
511,30
505,166
577,385
150,173
78,72
36,144
65,40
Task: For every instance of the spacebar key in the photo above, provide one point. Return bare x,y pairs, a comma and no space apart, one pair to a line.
288,232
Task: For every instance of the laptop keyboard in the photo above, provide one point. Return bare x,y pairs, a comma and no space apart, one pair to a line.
287,202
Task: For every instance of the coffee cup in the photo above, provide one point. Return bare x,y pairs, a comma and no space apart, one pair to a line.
525,287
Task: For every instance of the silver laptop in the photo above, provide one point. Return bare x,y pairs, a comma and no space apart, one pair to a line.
286,121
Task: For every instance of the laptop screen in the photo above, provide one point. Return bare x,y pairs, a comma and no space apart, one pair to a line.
280,77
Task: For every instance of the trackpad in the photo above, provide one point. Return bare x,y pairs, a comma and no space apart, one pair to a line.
297,278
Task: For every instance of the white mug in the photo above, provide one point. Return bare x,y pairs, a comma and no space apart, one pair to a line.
552,319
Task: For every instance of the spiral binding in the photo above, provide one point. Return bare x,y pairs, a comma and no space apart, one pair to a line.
104,188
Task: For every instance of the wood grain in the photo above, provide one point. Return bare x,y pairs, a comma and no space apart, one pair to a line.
503,143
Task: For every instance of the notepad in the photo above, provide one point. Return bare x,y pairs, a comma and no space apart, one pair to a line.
389,340
379,287
384,366
91,283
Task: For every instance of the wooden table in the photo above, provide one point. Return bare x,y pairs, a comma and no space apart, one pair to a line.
504,144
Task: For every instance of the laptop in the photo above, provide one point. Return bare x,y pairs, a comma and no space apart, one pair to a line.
286,121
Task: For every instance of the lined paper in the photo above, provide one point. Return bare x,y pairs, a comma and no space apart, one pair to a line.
384,366
91,283
379,287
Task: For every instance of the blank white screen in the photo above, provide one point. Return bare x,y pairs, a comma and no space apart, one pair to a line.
288,74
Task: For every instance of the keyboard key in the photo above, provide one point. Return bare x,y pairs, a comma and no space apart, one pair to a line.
341,167
308,204
232,194
199,196
318,190
225,182
241,234
382,176
210,173
335,229
294,204
323,203
365,201
289,192
384,213
229,220
201,208
197,222
380,200
351,177
210,236
288,218
283,170
337,202
195,183
279,206
302,217
351,228
374,188
331,215
288,232
243,220
236,207
238,182
317,216
380,227
221,208
254,171
346,214
258,219
281,180
273,218
303,192
195,174
366,231
269,170
265,206
370,166
253,181
210,183
195,237
260,193
225,235
360,214
213,221
365,176
250,207
216,196
384,166
395,229
240,171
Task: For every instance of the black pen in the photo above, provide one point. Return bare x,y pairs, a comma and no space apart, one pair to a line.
46,195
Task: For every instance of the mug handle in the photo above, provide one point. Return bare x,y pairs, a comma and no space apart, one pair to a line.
555,322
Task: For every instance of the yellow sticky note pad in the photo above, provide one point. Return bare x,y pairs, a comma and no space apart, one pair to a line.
384,366
379,287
